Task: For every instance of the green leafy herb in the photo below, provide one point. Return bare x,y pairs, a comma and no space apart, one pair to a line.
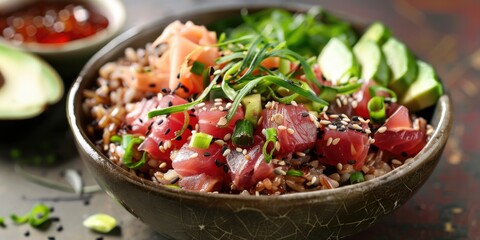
100,222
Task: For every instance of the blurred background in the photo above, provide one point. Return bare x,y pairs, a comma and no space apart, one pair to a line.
442,32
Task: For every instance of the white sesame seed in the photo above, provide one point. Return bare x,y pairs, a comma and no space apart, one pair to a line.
227,136
356,126
329,141
244,151
372,140
382,129
367,131
239,149
220,108
281,127
334,116
333,127
201,104
339,103
217,72
312,117
396,162
277,146
161,148
325,122
346,119
194,155
344,123
218,104
213,109
354,104
290,130
279,171
222,121
335,141
300,154
325,109
339,166
197,127
219,142
281,163
228,105
218,100
204,109
226,152
167,144
268,105
344,100
162,165
294,103
278,118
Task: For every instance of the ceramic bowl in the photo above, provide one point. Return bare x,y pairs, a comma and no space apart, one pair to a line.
180,214
73,55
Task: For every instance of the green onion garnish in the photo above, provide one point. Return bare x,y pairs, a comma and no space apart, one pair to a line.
184,126
243,133
197,68
376,108
37,216
374,91
128,156
356,177
271,136
2,221
201,140
294,172
116,139
126,139
100,222
172,186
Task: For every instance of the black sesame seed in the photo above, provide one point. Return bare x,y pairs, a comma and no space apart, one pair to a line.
175,180
225,168
86,202
179,138
149,95
404,154
60,228
168,130
218,163
160,143
185,89
212,71
52,209
152,85
305,114
189,127
160,122
224,148
164,90
207,154
99,238
351,161
170,103
140,120
355,118
51,238
27,233
178,75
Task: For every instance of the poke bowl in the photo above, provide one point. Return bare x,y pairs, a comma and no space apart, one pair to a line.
279,189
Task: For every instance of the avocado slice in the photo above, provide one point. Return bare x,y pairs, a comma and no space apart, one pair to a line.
402,63
253,107
337,62
377,32
424,91
372,60
29,85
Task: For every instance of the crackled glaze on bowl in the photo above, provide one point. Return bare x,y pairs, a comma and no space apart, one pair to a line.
181,214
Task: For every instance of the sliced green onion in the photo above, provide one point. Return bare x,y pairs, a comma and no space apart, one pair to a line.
294,172
356,177
197,68
201,140
172,186
271,136
116,139
2,221
373,90
20,219
243,133
39,214
100,222
376,108
128,156
328,93
126,139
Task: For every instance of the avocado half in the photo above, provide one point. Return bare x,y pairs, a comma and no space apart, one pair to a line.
27,85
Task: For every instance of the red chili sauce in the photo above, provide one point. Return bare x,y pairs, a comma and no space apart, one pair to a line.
51,22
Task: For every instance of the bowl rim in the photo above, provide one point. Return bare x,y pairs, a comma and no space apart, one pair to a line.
113,10
443,111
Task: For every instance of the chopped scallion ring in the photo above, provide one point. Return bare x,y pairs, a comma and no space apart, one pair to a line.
127,157
116,139
376,108
37,216
294,172
201,140
356,177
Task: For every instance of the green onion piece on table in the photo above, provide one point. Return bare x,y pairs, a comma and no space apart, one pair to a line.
243,133
39,214
200,140
100,222
376,108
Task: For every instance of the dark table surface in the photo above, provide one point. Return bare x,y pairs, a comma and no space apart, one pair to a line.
444,33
